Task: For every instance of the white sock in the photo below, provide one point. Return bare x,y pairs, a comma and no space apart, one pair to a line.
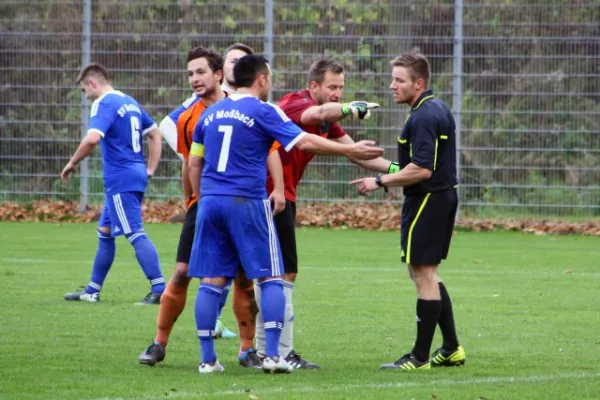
286,342
261,347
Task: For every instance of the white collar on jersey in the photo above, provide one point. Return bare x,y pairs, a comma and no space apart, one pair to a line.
238,96
117,92
226,88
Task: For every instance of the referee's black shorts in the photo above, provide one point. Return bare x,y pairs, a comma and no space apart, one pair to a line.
426,227
186,239
285,223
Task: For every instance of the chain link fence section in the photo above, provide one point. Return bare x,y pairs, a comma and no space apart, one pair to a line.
529,139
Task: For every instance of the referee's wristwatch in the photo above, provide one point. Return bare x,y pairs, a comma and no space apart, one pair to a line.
380,183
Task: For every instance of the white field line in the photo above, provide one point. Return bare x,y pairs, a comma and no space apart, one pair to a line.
400,268
535,379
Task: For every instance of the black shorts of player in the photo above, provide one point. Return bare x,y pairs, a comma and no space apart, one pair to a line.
186,239
285,223
426,227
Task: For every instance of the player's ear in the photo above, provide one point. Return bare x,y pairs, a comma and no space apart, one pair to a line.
262,80
219,74
420,83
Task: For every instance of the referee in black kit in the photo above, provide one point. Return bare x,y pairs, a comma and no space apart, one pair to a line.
427,172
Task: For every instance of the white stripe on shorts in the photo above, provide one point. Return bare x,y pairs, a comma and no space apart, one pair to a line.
121,213
275,267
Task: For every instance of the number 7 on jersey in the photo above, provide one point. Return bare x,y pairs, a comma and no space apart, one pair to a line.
224,155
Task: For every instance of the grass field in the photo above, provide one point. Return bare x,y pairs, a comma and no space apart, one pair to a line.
527,310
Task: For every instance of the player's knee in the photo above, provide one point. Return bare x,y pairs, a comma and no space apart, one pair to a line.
103,233
242,282
219,281
180,277
290,276
423,275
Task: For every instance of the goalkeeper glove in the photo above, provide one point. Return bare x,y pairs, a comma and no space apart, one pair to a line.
358,109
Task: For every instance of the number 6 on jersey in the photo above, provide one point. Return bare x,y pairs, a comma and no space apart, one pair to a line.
224,155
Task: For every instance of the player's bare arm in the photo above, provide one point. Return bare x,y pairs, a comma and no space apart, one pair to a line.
328,112
276,170
363,150
185,180
407,176
378,164
333,112
154,150
195,165
86,147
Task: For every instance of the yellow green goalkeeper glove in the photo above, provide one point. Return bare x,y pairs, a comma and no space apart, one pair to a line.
358,109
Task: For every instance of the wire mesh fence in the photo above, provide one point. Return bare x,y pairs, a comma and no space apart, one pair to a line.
526,92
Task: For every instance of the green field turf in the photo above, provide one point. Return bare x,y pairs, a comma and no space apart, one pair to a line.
527,310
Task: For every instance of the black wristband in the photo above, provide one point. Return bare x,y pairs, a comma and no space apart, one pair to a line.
380,183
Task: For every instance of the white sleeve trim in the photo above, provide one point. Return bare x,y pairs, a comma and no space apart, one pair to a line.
168,129
94,130
145,131
291,144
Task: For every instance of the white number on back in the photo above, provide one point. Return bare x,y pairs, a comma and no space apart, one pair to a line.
135,134
224,155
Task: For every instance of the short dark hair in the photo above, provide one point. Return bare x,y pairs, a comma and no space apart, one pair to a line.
93,69
239,46
416,63
213,57
248,68
317,70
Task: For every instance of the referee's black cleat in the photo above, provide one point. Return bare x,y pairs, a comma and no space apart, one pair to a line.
445,358
297,362
407,362
153,355
151,298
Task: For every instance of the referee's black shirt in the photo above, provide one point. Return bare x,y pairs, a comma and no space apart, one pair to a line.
428,140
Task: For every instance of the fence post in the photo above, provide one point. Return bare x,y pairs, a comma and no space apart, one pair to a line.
457,70
268,41
86,39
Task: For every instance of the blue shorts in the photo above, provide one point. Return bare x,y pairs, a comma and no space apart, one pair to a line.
122,212
230,230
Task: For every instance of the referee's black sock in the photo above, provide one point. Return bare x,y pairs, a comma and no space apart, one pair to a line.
428,314
446,321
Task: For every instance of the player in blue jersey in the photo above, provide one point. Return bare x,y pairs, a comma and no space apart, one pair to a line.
235,222
118,123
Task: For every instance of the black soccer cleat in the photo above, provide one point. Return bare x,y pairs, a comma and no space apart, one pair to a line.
407,362
153,355
82,295
250,359
151,298
452,358
297,362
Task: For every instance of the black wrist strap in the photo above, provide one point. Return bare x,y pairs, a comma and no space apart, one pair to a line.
380,183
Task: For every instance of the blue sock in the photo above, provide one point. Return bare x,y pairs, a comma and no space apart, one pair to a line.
224,295
105,255
272,301
146,254
207,308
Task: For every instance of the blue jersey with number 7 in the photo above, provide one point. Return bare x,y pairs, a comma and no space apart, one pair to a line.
234,137
121,122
